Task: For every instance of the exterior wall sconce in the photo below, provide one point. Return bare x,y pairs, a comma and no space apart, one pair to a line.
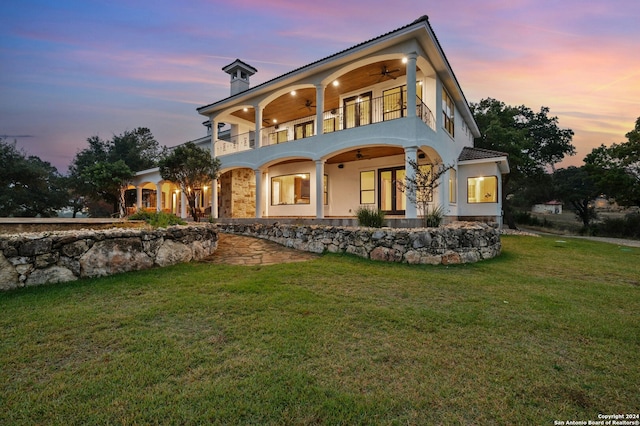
341,166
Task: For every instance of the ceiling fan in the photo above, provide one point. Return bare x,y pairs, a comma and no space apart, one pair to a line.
386,72
308,105
359,155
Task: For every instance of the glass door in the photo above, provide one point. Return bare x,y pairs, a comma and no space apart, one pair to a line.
391,198
357,111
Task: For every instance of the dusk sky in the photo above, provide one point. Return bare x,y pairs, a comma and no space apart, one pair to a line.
71,69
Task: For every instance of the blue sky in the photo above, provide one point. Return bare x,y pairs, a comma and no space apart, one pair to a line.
73,69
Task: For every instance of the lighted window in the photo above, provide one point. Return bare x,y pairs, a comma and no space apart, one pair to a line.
303,130
278,137
290,189
326,190
329,125
448,113
453,185
483,189
367,187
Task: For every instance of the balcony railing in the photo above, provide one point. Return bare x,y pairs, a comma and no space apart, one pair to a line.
361,112
230,144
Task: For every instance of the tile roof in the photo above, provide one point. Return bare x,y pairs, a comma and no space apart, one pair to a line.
469,153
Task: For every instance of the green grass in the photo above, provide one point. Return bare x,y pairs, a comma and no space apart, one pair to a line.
549,330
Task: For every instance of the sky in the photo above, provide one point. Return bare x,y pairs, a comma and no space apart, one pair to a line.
72,69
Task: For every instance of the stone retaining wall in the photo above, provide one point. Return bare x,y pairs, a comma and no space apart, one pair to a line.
52,257
458,242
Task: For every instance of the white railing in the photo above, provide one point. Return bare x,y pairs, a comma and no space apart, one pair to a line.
368,111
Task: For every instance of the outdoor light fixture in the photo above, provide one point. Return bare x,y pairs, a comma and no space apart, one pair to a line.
335,83
293,93
341,166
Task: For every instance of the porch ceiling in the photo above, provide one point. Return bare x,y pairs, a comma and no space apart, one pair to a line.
364,154
289,107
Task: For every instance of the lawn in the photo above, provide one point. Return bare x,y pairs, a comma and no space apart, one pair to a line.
548,331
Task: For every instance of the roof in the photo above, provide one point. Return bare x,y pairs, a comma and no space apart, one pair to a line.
424,20
470,153
239,64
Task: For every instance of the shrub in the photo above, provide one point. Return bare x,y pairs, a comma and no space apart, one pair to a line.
433,218
373,218
157,219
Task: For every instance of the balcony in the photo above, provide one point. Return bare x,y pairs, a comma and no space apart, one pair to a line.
357,112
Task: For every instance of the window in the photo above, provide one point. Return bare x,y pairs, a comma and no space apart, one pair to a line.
278,137
357,111
447,113
367,187
329,125
483,189
453,185
290,189
303,130
394,102
326,190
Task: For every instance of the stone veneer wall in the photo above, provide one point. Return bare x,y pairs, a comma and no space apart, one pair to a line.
458,242
51,257
238,194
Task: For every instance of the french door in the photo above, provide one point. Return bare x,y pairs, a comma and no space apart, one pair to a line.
357,111
391,198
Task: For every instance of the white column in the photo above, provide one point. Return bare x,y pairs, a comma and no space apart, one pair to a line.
214,135
411,84
183,205
214,198
258,173
319,109
159,196
410,154
138,197
319,189
258,136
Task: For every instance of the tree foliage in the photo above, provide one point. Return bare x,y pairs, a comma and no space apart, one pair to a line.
419,188
190,167
533,141
575,185
616,169
29,187
104,169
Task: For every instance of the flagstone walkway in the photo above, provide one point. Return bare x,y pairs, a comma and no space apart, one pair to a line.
241,250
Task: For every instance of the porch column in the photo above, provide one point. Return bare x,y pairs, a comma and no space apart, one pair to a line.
159,196
138,197
319,109
214,198
183,205
258,142
319,189
214,135
410,153
411,84
258,173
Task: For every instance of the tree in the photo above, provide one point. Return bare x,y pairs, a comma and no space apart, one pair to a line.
419,190
532,140
576,186
190,167
104,169
29,187
616,169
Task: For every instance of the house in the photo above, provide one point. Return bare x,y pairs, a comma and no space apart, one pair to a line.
550,207
338,134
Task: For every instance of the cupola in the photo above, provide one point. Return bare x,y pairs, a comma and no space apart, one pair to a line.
240,73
